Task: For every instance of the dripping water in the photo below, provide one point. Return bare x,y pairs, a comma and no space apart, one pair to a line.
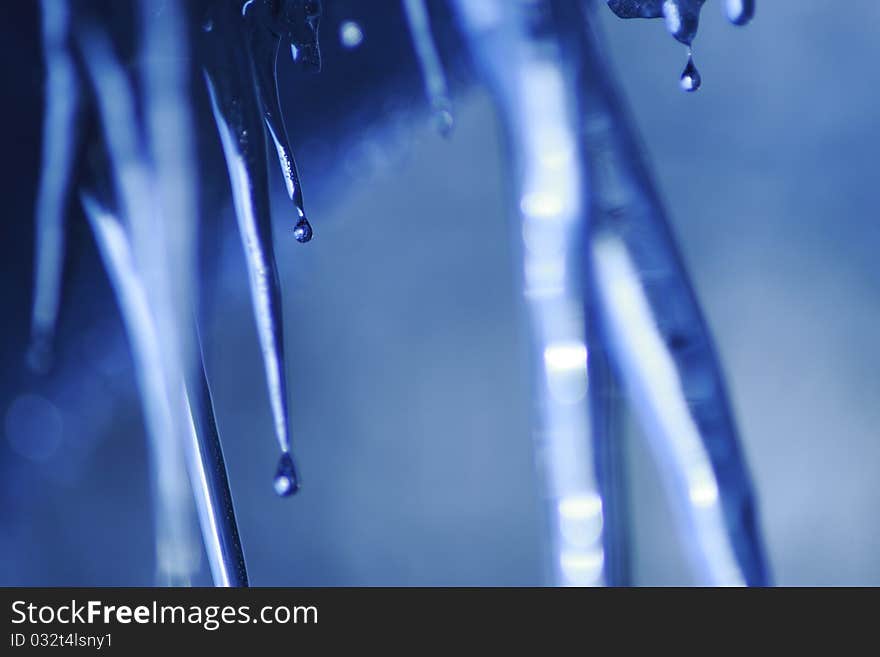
690,76
286,481
682,19
302,232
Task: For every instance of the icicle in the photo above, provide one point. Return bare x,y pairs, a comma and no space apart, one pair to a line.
247,176
176,546
62,90
210,482
170,127
207,470
432,69
150,250
521,58
264,50
682,19
659,341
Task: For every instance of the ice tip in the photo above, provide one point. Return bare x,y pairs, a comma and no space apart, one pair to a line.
739,12
286,481
444,122
442,116
39,356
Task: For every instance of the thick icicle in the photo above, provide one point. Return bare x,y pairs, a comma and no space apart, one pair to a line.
434,78
660,342
247,176
517,47
62,90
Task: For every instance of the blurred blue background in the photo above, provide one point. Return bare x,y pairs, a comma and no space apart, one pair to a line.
406,342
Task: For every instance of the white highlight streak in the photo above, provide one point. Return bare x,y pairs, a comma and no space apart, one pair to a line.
653,382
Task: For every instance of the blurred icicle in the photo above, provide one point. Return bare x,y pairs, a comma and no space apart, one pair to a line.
170,147
659,341
204,455
177,549
62,92
436,88
517,47
158,211
170,129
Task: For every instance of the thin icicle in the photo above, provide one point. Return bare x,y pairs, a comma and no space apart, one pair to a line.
535,96
432,69
659,340
248,182
62,89
210,483
264,49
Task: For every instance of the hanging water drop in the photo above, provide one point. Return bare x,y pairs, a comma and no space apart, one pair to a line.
690,77
739,12
302,231
286,481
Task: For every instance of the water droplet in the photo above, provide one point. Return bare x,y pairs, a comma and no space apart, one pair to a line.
350,34
302,231
690,77
739,12
286,481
